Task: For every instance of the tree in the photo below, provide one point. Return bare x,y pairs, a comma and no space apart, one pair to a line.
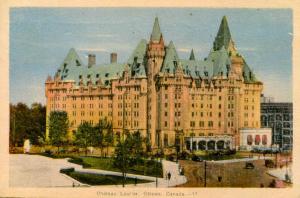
27,123
100,135
136,146
58,127
86,135
38,123
122,157
108,133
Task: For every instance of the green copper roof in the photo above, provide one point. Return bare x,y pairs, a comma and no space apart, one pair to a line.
74,69
220,60
197,68
137,60
171,59
192,56
223,37
156,33
248,74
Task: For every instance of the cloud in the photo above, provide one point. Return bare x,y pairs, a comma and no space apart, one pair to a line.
93,49
184,50
101,35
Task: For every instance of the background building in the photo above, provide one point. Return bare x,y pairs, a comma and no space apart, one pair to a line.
190,103
279,117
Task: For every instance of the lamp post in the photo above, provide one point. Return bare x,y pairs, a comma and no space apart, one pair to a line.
123,139
205,165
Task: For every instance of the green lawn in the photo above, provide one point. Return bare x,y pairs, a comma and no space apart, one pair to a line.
148,167
95,179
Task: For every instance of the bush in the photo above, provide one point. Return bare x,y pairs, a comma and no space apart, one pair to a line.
79,161
67,171
183,155
48,152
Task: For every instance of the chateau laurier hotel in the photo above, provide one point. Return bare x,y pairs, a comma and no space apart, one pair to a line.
196,104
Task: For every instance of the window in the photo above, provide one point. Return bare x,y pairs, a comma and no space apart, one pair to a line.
219,114
201,123
257,139
166,123
166,113
220,97
210,124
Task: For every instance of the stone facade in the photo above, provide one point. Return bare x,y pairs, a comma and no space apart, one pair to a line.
167,99
250,138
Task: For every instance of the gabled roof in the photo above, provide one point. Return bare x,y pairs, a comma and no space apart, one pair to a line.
74,69
137,60
223,37
249,76
220,60
171,59
192,56
197,68
156,33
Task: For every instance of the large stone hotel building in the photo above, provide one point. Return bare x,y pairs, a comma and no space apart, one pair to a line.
191,103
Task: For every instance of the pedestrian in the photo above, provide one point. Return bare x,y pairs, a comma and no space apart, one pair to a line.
135,181
169,176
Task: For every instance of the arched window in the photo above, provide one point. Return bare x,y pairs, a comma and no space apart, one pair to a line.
257,139
249,140
264,139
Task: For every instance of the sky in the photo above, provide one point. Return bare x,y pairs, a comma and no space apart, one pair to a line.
40,39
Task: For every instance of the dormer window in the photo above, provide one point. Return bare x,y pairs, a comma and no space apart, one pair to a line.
88,76
78,63
80,76
66,70
97,75
206,73
175,63
65,65
106,75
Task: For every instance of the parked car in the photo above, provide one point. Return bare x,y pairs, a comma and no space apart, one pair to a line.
249,165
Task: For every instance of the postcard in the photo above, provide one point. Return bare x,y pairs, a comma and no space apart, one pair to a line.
126,100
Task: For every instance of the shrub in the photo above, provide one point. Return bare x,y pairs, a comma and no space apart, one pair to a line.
183,155
67,171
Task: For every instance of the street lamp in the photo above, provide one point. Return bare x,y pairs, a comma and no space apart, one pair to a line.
205,165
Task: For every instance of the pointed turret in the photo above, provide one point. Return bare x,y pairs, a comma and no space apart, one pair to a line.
223,37
156,33
192,56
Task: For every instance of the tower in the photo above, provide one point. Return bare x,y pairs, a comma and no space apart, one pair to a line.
155,57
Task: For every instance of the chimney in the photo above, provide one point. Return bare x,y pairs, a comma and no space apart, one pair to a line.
113,57
92,60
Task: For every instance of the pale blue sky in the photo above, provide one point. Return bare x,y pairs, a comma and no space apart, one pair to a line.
40,39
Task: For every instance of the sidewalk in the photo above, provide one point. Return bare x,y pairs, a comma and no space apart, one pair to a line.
172,167
40,171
